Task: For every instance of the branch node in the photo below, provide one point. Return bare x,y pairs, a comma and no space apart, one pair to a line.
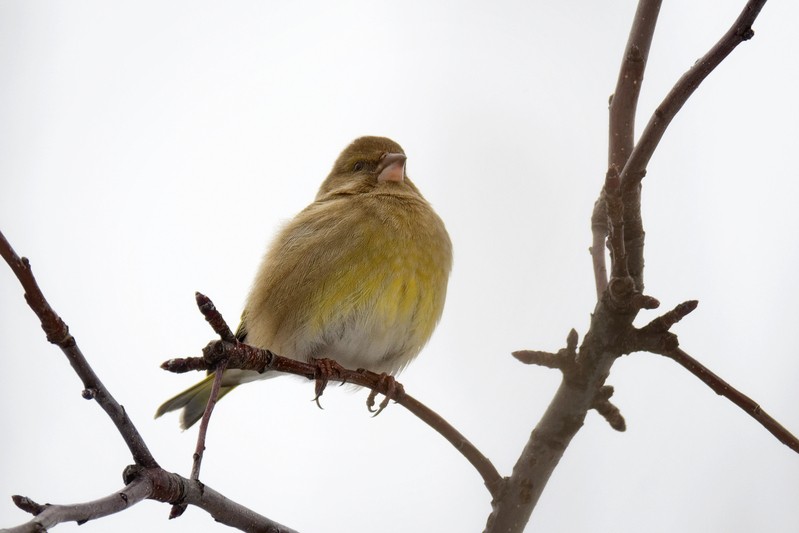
214,317
181,365
564,360
642,301
664,322
571,341
537,357
607,410
25,503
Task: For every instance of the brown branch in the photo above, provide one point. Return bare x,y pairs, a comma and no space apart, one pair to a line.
214,317
614,210
655,337
245,357
145,479
621,134
49,515
599,232
209,408
740,31
565,360
148,483
743,401
175,489
623,103
576,395
611,323
58,333
621,123
199,449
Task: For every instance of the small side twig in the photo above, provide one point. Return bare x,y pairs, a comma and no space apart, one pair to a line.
740,399
607,410
209,408
214,317
217,322
657,338
199,449
566,360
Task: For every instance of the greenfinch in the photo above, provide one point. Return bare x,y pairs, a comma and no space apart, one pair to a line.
359,276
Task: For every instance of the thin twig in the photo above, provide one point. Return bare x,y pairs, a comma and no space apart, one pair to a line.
740,31
624,102
199,449
740,399
480,462
58,333
209,408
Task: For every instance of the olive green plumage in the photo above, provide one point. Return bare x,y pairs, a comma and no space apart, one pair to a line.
359,276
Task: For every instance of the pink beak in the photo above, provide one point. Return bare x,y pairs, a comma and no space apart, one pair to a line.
391,167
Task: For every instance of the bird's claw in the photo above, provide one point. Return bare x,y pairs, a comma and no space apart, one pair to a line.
323,370
393,391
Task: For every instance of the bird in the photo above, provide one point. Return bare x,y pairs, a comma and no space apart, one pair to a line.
359,276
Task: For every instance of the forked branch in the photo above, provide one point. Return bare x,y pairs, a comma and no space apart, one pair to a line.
145,479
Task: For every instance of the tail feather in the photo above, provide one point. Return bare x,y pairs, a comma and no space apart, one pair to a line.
193,401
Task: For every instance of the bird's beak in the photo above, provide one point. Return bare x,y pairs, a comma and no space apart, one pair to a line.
391,167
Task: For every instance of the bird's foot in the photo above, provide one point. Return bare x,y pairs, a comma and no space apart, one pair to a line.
324,369
393,391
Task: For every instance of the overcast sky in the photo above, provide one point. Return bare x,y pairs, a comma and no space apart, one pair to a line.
151,149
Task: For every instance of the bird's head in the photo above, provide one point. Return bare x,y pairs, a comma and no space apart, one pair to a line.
368,164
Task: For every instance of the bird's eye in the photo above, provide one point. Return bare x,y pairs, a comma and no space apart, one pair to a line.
357,167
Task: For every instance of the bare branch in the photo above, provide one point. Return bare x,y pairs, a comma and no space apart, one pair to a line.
143,480
623,103
599,232
611,328
743,401
740,31
48,515
58,333
655,337
621,125
199,450
148,483
621,134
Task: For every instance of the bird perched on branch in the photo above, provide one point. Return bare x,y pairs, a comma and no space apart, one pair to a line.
359,276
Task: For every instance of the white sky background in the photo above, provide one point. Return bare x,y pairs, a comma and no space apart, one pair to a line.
151,149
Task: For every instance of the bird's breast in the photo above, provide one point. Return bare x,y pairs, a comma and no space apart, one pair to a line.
359,281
